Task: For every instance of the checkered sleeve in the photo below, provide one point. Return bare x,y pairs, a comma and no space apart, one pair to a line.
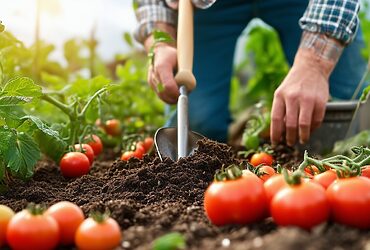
335,18
149,12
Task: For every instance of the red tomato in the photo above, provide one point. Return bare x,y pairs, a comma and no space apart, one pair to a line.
304,205
69,216
239,201
113,127
148,144
74,164
365,171
311,170
93,235
273,185
127,155
140,150
33,232
261,158
266,172
95,143
6,213
326,178
349,199
87,150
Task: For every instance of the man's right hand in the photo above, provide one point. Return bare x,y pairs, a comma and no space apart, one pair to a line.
161,73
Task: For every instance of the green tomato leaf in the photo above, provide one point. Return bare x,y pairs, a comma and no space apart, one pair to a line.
22,86
365,93
41,126
9,106
20,153
128,39
171,241
162,37
49,140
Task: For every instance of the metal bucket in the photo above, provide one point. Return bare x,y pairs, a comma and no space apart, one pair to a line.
337,125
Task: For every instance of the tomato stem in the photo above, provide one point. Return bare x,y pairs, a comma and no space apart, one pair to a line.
36,209
232,172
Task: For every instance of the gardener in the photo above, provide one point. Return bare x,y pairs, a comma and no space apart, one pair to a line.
299,102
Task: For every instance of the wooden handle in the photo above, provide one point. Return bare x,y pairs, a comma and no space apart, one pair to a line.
185,45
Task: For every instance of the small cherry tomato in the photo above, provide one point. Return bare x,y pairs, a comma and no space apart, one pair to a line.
69,216
304,205
261,158
365,171
325,178
94,234
87,150
32,231
127,155
95,143
273,185
112,127
139,150
265,172
74,164
349,199
6,213
148,144
311,170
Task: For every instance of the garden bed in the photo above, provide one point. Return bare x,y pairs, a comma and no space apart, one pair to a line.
150,198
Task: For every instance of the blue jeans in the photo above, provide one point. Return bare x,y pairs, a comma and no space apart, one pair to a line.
216,31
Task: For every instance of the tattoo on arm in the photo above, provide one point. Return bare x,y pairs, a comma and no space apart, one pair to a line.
325,47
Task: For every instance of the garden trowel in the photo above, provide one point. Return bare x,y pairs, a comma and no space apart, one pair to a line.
181,142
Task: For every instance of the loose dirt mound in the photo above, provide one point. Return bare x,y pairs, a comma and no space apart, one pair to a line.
150,198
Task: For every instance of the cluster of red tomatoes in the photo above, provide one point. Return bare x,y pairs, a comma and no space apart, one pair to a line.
308,202
141,148
61,224
77,163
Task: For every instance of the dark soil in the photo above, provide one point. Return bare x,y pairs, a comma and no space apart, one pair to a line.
150,198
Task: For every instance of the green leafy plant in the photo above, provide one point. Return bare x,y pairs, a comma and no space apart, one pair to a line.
171,241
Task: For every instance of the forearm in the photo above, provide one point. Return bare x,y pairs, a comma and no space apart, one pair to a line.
319,51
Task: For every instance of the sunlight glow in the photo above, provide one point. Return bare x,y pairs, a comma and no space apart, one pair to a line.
63,19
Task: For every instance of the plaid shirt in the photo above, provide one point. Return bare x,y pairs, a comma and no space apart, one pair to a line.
335,18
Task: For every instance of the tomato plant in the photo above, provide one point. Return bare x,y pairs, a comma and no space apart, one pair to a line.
86,150
304,205
69,216
261,158
349,199
95,143
74,164
234,198
6,213
98,232
31,229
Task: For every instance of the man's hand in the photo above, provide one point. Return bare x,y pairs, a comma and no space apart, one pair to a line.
300,101
161,72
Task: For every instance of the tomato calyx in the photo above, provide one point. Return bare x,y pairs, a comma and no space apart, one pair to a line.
100,217
36,209
232,172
